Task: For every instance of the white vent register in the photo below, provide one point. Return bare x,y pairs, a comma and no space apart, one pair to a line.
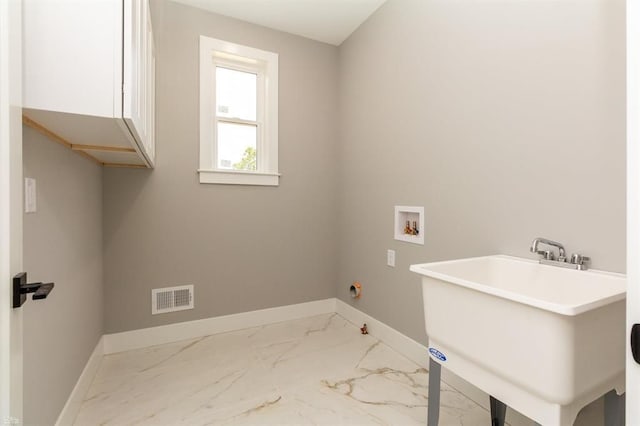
171,299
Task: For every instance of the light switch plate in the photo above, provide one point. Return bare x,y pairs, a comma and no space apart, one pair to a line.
29,195
391,258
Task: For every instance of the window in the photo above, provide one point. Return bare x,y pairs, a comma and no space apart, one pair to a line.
238,114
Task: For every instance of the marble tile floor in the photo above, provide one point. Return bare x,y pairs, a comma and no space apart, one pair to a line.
313,371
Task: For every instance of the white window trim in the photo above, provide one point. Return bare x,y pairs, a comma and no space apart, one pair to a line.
214,51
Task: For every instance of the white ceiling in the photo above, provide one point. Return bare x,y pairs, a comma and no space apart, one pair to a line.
329,21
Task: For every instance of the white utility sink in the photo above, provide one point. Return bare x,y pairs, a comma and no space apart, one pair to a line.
544,340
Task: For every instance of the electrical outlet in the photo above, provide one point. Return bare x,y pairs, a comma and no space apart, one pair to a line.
391,258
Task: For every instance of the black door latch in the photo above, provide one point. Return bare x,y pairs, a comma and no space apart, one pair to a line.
635,342
21,288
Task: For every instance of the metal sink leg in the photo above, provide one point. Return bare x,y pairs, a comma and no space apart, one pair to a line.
433,408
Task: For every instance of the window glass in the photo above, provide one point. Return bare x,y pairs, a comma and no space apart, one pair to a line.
237,145
236,94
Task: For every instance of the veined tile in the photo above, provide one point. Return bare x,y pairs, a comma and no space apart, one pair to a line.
154,392
133,362
317,370
309,405
303,362
296,329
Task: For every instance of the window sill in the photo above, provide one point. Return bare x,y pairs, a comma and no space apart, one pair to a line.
228,177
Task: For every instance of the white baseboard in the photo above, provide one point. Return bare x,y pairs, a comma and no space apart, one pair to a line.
136,339
408,347
419,354
72,407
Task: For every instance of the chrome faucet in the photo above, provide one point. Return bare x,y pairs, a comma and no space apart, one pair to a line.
546,253
576,261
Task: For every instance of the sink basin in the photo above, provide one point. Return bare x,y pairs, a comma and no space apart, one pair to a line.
544,340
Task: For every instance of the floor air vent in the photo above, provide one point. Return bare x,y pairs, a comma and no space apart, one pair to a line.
171,299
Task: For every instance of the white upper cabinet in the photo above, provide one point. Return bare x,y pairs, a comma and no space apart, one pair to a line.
89,76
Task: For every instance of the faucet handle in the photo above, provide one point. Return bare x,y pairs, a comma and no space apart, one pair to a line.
578,259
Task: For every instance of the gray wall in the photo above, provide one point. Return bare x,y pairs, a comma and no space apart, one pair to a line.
63,244
243,247
504,119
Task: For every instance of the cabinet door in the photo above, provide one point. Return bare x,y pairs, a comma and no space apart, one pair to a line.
135,69
72,56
